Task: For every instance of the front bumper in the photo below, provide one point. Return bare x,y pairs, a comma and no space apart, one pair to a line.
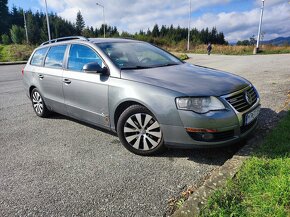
227,127
177,137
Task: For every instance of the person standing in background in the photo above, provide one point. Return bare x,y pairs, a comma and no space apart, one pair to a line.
209,48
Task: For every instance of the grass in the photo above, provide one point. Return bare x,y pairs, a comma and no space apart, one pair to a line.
18,52
230,50
262,186
15,52
182,56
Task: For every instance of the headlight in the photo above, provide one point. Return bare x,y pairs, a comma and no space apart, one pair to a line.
199,104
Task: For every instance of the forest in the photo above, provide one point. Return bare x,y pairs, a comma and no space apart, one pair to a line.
12,29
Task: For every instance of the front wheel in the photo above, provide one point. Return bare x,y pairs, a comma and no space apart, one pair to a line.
139,131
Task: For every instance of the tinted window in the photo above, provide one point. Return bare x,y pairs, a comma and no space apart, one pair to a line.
55,56
38,57
80,55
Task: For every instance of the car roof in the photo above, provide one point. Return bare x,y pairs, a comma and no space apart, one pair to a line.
108,40
65,40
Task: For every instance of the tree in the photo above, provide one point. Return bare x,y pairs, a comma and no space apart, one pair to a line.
163,31
88,32
43,30
80,23
17,34
32,28
155,31
244,43
253,40
5,39
125,35
4,16
16,16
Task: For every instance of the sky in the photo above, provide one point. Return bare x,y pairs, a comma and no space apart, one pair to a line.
238,19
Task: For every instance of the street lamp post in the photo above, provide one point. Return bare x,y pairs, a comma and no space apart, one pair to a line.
103,18
189,17
47,20
256,49
25,26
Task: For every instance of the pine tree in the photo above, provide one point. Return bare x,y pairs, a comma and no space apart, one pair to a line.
80,23
32,28
43,30
4,18
17,34
155,31
5,39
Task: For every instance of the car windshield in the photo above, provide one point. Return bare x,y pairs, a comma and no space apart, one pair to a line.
137,55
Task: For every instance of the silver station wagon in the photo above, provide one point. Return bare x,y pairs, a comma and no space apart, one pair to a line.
150,98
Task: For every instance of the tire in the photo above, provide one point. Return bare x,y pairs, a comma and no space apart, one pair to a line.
38,104
139,131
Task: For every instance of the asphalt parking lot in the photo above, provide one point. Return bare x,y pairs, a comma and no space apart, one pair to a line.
60,167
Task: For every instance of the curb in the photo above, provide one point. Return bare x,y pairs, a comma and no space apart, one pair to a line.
12,63
228,170
218,179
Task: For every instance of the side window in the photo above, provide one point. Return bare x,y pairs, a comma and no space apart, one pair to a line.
55,56
80,55
38,57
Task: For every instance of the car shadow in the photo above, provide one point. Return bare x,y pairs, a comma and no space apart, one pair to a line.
211,156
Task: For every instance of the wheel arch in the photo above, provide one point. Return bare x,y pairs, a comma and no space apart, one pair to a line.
123,106
30,89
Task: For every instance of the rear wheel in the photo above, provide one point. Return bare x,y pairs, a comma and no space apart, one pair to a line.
139,131
38,104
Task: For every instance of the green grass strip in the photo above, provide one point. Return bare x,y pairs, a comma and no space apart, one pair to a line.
15,52
262,186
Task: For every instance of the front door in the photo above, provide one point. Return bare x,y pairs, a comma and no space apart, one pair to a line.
85,94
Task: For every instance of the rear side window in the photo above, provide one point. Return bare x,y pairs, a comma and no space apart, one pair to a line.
38,57
55,56
80,55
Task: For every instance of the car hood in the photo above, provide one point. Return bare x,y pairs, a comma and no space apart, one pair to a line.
188,79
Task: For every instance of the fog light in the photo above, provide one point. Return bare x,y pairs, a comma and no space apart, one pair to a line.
207,136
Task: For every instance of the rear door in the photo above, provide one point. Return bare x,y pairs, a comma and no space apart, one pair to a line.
85,94
50,78
34,68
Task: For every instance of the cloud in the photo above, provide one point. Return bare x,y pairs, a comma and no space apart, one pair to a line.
132,16
242,25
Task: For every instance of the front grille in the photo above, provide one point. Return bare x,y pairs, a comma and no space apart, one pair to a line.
244,100
214,137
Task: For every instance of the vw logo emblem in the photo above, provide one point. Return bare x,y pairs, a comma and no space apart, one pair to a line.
248,97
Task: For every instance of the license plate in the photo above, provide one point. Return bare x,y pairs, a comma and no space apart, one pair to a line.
252,115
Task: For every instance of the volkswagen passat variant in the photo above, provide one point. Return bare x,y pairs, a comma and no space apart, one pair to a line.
150,98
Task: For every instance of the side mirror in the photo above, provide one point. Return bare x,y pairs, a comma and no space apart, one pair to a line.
94,67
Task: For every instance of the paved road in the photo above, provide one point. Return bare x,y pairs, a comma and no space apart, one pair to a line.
57,166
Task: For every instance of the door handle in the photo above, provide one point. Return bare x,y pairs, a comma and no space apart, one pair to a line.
40,77
66,81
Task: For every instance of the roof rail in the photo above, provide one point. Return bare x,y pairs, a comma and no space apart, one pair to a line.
64,39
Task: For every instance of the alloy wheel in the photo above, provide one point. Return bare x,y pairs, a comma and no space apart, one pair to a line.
142,131
37,102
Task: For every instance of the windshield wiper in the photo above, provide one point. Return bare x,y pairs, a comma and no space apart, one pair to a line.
136,67
148,67
168,64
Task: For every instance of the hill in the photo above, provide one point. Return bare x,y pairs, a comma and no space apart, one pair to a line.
278,41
